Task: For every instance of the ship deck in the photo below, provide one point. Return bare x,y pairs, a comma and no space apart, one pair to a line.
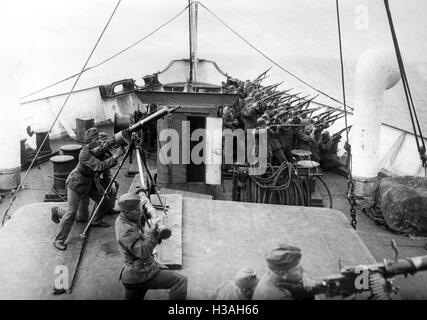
370,241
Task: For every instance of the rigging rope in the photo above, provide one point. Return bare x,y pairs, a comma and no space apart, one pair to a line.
268,58
350,190
108,59
5,216
419,139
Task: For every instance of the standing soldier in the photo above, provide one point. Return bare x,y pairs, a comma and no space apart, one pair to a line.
141,271
104,178
250,116
83,182
275,145
286,138
305,141
328,151
229,119
284,264
242,288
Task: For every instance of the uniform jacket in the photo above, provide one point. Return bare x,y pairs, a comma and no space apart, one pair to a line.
267,289
274,140
84,176
136,249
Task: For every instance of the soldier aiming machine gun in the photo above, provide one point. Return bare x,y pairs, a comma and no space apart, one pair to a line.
129,137
376,279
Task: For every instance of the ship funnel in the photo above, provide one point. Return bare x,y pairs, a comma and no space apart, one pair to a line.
377,71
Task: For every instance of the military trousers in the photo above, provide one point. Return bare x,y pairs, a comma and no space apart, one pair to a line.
83,211
68,216
165,279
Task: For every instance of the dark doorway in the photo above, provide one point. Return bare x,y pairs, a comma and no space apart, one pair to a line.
196,172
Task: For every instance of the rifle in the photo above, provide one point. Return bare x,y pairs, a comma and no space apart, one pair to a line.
329,120
298,99
376,279
271,87
262,74
271,96
258,81
325,115
342,130
302,113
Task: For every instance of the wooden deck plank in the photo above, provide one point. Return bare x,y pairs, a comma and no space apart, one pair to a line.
74,251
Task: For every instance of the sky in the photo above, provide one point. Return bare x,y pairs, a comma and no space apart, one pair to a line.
49,40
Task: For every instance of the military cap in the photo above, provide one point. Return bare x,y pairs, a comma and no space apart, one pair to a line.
325,136
261,122
91,134
246,278
243,95
284,257
103,135
128,202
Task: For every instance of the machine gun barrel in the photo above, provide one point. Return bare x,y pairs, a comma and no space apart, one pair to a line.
406,266
119,138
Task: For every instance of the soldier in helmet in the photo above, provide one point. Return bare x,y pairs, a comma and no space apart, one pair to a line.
229,118
102,180
328,151
83,182
305,141
136,244
284,267
242,288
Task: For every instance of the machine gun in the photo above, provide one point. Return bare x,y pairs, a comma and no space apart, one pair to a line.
129,136
376,279
125,135
122,138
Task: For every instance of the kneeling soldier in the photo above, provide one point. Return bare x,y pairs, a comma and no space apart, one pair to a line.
141,271
242,288
284,263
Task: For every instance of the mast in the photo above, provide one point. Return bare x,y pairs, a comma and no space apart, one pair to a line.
193,22
196,20
190,33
